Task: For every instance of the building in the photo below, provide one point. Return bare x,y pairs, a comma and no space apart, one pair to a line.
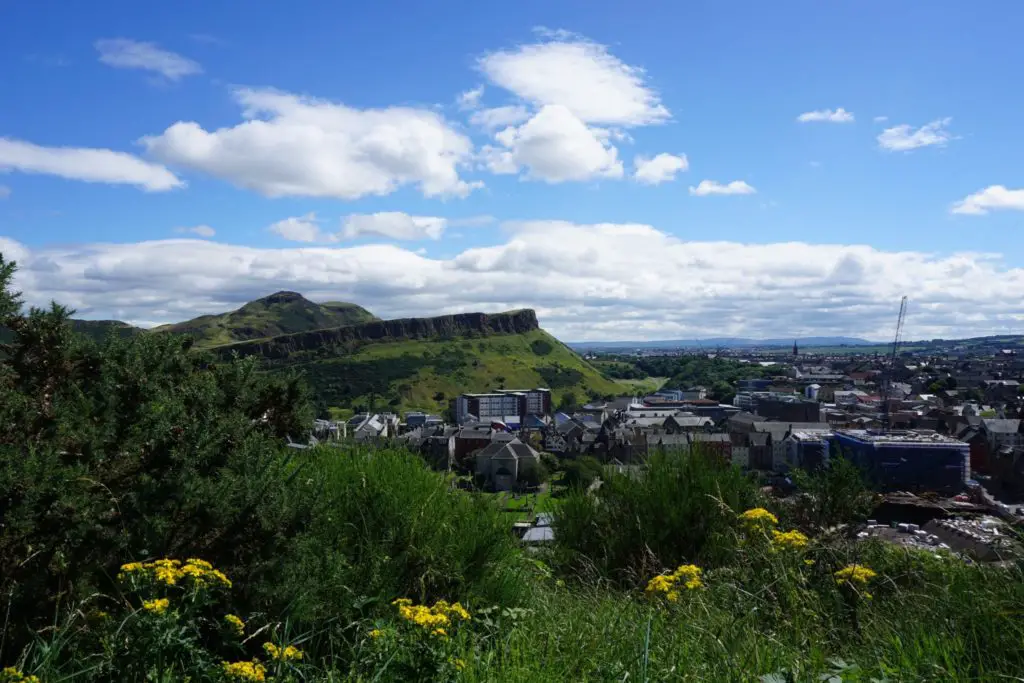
906,460
503,466
788,408
807,449
506,405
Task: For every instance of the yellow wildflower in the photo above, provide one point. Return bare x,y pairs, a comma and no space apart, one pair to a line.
855,574
685,576
245,671
401,601
285,654
235,622
791,540
376,633
167,574
757,518
131,567
809,563
219,575
156,606
13,675
459,664
202,564
439,632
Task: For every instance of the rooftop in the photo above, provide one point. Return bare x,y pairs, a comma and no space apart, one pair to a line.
917,437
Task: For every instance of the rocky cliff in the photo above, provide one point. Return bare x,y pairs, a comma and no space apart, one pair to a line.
441,327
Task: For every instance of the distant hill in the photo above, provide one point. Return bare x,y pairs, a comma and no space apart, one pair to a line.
277,314
721,342
425,362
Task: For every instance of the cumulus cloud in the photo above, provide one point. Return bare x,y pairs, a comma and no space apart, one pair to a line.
201,230
470,99
394,225
123,53
904,137
499,117
574,100
86,164
839,115
710,187
660,169
300,229
554,146
578,74
993,197
298,146
625,281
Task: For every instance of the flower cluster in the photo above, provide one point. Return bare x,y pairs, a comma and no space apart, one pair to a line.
156,606
172,572
758,518
433,619
289,653
855,574
12,675
245,671
789,540
685,576
235,623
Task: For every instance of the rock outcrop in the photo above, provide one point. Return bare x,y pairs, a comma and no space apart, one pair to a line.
441,327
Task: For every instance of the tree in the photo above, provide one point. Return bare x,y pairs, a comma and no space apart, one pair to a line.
568,404
581,472
832,495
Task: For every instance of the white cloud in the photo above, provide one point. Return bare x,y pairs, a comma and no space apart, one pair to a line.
578,74
660,169
623,282
710,187
880,119
201,230
993,197
5,192
297,146
472,221
393,224
839,115
499,117
904,138
554,146
300,229
86,164
123,53
470,99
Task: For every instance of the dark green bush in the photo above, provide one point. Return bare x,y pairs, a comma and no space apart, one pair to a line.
681,509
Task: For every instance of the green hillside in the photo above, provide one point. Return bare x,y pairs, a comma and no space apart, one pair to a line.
426,374
277,314
94,329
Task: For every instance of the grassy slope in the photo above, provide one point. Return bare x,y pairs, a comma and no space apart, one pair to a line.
281,313
470,365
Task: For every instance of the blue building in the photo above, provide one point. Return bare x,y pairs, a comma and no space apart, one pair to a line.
906,460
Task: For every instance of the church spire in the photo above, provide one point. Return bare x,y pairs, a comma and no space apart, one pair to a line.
796,351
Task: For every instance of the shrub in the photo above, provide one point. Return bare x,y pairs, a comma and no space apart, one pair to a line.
541,347
681,510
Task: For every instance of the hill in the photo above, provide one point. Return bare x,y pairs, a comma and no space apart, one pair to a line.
277,314
424,362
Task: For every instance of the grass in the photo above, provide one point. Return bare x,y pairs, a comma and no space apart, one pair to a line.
426,375
281,313
387,527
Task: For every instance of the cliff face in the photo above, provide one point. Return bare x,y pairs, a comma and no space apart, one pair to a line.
461,325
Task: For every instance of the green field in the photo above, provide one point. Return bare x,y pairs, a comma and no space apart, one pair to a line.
426,375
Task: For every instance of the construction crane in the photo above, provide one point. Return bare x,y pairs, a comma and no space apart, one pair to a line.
891,370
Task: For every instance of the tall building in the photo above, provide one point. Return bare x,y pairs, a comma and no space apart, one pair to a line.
507,405
907,460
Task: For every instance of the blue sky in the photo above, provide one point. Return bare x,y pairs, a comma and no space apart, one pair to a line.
161,161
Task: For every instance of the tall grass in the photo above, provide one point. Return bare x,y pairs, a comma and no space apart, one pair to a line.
680,509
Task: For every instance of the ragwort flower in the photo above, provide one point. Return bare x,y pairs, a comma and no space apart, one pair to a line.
245,671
